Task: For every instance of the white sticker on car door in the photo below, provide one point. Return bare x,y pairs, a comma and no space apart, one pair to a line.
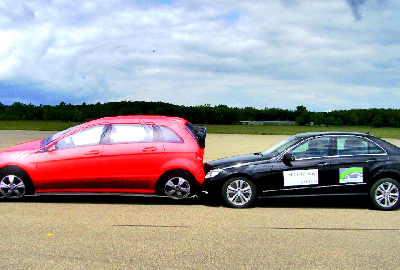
300,177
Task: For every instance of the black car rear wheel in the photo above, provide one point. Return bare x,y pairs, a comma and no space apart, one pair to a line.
385,194
239,192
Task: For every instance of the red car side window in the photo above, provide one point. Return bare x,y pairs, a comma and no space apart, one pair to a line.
90,136
169,135
130,133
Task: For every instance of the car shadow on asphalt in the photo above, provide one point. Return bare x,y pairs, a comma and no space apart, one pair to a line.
103,199
334,202
342,201
320,202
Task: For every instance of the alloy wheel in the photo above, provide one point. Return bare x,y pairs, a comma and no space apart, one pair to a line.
11,186
239,192
177,188
387,195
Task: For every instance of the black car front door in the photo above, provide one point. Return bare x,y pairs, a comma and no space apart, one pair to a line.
307,174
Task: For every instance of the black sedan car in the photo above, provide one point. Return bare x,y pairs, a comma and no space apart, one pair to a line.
310,164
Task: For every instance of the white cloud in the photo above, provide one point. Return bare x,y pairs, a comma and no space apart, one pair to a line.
278,53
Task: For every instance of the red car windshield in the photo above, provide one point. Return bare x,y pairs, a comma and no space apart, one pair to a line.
51,138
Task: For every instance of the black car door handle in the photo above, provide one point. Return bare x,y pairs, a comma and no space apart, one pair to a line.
322,164
371,160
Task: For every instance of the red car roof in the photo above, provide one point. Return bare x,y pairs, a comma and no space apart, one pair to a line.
155,119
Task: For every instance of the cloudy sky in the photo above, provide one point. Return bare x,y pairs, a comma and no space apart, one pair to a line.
325,55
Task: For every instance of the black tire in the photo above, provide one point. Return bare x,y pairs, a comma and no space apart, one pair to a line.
239,192
177,186
384,194
13,186
1,177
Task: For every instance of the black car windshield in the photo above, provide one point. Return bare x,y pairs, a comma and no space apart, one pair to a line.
51,138
280,147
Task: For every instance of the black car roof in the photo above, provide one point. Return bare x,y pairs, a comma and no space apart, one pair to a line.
310,134
313,134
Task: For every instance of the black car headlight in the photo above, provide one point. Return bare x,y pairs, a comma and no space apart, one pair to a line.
213,173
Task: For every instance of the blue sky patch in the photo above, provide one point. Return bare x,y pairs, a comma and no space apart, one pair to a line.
232,17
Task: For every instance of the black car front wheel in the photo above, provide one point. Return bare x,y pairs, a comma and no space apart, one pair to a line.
385,194
239,192
12,186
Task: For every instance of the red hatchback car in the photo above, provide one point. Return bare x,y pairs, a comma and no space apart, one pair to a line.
123,154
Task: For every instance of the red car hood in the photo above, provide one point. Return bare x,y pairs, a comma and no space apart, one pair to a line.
33,145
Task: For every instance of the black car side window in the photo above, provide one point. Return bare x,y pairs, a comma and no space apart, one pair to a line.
316,147
374,149
351,145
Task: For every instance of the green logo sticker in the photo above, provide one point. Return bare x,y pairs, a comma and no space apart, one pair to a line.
351,175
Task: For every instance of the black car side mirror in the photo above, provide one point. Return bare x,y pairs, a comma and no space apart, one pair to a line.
288,158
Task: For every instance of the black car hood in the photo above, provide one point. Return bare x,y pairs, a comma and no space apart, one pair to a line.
230,161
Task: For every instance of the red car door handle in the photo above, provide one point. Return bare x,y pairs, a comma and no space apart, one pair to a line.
93,152
149,149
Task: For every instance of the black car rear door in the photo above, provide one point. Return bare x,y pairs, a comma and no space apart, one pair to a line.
356,160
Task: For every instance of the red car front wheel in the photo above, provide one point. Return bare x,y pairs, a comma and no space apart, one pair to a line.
12,186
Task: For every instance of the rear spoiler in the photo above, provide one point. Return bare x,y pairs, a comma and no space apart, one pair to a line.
201,132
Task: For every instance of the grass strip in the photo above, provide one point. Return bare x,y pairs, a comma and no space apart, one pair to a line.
383,132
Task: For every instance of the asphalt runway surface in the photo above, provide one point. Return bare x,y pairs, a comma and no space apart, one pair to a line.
125,232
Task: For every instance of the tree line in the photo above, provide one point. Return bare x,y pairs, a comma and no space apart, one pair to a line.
204,114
